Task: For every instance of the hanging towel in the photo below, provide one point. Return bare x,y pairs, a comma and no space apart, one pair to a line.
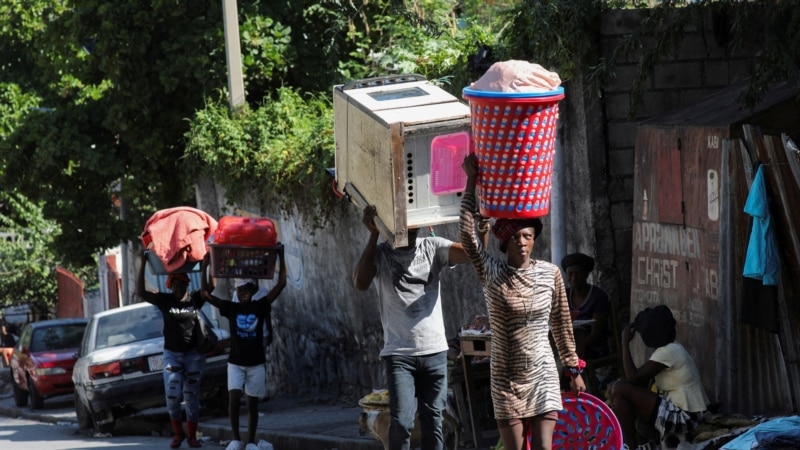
762,260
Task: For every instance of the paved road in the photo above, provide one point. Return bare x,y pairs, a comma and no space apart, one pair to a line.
23,434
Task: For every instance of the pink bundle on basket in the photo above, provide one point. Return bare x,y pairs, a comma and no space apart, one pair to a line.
514,110
177,236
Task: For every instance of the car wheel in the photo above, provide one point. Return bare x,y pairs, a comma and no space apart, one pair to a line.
37,401
83,414
20,395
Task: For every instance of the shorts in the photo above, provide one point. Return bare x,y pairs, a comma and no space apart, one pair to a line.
252,378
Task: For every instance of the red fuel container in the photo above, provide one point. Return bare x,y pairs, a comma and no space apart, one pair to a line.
246,231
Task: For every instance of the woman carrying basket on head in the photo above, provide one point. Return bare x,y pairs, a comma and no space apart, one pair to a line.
526,299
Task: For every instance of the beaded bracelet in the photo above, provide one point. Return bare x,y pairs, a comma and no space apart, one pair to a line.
573,372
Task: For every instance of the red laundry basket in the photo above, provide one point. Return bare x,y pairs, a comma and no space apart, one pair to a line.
514,136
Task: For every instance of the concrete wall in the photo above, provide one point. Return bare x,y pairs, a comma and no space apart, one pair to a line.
328,335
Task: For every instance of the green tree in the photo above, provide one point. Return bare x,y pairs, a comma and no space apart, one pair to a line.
100,96
276,151
115,84
27,265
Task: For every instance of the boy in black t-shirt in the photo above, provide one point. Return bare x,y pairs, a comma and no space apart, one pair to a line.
246,362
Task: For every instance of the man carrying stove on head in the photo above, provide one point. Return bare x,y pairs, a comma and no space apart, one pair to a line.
415,345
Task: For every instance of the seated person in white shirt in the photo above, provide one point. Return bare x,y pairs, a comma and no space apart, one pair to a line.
681,400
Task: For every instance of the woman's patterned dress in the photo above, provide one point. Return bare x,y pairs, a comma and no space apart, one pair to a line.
524,305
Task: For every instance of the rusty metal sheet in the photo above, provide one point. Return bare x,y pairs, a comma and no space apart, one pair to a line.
700,166
657,177
776,110
672,266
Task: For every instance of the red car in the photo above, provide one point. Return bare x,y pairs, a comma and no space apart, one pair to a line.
42,360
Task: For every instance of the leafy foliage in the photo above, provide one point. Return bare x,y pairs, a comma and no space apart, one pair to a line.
27,266
113,86
560,35
772,27
127,98
277,152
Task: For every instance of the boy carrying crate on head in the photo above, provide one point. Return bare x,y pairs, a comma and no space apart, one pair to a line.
247,360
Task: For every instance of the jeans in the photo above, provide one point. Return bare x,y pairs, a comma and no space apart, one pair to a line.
182,373
423,377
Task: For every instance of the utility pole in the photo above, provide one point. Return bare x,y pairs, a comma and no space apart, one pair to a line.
233,55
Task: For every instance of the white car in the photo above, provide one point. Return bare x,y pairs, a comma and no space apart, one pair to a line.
120,362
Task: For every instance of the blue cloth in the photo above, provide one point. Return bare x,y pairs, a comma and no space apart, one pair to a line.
748,439
778,439
762,260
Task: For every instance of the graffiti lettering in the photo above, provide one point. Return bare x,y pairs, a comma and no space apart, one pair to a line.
656,272
666,239
645,298
697,314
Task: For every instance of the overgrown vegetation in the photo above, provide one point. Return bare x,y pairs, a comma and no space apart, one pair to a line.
27,267
564,36
277,152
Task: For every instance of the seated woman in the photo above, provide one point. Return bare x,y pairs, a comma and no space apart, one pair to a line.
587,302
681,400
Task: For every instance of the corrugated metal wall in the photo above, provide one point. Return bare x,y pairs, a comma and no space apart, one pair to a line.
689,240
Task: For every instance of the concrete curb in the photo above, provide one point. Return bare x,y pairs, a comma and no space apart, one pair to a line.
285,441
221,433
39,417
218,433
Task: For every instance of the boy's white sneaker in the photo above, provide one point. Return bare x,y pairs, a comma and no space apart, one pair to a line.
251,447
264,445
235,445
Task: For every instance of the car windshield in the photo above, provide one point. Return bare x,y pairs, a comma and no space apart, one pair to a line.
57,337
129,325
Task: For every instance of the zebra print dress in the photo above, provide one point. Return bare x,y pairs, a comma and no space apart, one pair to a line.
523,305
